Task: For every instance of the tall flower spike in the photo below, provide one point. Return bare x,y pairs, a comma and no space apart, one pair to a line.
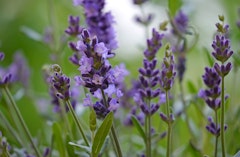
149,75
100,23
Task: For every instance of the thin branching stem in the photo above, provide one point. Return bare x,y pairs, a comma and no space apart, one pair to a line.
22,122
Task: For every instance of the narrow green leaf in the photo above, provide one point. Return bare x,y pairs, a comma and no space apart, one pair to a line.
32,34
174,6
101,134
93,120
70,149
83,147
139,127
58,139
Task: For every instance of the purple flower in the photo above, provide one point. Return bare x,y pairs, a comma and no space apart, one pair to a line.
213,128
85,64
153,45
98,75
180,23
18,71
149,77
73,29
212,80
100,23
61,83
144,20
221,46
2,55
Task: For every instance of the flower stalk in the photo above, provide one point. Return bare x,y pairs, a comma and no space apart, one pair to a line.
22,122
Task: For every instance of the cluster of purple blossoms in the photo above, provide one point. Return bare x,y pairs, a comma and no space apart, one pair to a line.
213,128
98,75
99,23
59,88
74,30
211,95
180,23
149,78
18,71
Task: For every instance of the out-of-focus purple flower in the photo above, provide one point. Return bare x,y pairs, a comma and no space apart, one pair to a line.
18,71
213,128
2,55
139,2
100,23
167,73
181,67
48,36
180,23
73,29
144,20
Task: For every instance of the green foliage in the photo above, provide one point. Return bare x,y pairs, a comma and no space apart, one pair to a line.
59,139
139,128
101,134
174,6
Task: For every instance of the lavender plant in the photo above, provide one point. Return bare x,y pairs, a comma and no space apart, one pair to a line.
214,79
92,110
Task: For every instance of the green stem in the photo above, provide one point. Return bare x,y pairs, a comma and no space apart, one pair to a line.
77,121
64,116
113,134
222,119
11,129
169,133
27,132
116,143
148,132
216,140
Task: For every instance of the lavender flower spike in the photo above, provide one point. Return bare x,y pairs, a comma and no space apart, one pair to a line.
61,83
100,23
168,72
